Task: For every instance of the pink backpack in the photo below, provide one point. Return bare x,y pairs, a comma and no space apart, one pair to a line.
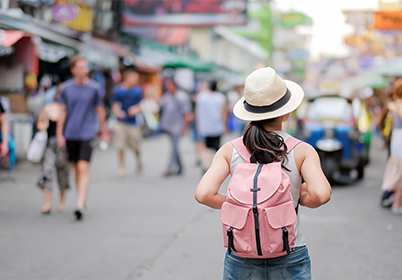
258,216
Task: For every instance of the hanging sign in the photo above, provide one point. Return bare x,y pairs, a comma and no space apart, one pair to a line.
388,20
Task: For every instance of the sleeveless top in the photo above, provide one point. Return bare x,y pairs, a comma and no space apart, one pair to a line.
397,122
295,181
51,130
396,136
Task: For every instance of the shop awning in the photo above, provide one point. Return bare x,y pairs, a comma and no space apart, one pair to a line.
21,22
111,47
12,37
100,53
53,53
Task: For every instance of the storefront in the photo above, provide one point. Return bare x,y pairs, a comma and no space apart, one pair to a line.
18,58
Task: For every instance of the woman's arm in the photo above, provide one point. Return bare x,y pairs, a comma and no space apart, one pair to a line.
316,190
100,110
398,109
41,124
225,112
207,190
61,141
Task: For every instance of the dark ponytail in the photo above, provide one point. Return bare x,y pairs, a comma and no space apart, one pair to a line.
264,145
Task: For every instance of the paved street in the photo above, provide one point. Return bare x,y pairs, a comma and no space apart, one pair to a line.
149,227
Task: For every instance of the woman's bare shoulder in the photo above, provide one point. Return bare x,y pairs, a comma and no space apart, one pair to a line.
226,148
302,151
304,147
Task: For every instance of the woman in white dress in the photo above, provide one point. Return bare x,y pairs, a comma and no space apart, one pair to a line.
393,172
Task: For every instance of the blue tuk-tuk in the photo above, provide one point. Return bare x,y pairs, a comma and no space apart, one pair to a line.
329,125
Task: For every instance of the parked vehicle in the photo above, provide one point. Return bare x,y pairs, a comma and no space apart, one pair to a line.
330,126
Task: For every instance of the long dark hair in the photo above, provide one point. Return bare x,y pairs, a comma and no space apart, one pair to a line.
264,145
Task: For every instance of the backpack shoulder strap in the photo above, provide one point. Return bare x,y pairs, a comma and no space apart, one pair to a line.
291,143
237,143
241,149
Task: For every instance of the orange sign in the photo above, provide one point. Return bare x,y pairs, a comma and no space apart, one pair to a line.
388,20
354,40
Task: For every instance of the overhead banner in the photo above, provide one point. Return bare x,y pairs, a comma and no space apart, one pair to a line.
75,17
388,20
167,35
184,13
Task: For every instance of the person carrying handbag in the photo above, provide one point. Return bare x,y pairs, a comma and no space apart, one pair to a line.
54,158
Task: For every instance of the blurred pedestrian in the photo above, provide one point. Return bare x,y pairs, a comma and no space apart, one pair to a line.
267,103
4,138
34,98
8,146
233,96
197,138
234,124
392,181
81,103
150,110
211,114
175,118
54,158
384,120
126,105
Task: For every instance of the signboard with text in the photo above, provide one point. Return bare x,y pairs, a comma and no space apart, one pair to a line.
388,20
184,13
74,16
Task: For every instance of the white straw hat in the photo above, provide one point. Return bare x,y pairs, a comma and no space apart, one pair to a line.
267,96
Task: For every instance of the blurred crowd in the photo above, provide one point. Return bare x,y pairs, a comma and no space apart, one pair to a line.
128,108
121,111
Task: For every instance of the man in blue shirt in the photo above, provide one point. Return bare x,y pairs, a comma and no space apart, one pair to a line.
126,106
81,103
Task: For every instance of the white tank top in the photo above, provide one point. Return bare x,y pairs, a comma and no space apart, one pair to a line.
295,181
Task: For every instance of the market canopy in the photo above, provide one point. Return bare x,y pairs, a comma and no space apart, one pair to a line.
375,76
366,80
194,64
392,67
155,54
53,53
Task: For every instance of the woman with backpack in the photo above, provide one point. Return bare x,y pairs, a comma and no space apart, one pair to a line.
259,212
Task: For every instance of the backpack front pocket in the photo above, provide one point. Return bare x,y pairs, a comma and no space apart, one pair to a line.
278,228
237,235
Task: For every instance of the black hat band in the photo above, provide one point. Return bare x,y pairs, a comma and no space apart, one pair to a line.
268,108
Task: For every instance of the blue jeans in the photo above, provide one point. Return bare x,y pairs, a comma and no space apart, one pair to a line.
293,266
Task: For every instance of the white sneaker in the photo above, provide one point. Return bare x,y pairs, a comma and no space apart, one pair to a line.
396,210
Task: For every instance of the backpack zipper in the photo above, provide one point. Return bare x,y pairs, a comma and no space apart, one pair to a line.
255,210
